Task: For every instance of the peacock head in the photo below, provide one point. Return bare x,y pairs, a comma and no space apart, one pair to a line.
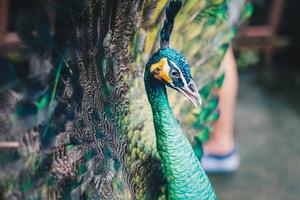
169,67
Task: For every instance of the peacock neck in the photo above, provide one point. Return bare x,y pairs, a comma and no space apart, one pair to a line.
181,169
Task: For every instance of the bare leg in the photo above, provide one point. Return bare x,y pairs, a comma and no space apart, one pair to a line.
221,141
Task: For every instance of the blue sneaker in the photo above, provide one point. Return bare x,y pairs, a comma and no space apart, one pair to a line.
216,164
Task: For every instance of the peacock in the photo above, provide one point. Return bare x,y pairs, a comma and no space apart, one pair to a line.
181,169
76,97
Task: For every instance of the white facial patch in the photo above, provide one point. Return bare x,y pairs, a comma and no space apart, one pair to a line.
180,74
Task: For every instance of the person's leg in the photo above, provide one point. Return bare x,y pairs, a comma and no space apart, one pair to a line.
221,141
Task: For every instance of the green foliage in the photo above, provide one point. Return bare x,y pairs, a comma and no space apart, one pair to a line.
247,58
207,116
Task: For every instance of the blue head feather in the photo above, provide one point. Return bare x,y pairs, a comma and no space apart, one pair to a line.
175,61
169,66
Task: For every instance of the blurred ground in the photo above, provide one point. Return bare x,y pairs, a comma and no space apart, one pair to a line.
267,130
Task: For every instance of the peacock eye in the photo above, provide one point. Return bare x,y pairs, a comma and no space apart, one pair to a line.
174,74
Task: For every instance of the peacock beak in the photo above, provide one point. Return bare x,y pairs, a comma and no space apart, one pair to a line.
191,92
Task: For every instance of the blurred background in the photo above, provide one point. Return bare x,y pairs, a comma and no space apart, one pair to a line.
267,51
267,118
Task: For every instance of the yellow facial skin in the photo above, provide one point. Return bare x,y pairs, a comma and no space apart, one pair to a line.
161,70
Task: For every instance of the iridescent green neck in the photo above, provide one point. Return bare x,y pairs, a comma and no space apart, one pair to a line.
181,169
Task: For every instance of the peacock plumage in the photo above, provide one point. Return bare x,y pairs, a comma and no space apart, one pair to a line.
73,96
